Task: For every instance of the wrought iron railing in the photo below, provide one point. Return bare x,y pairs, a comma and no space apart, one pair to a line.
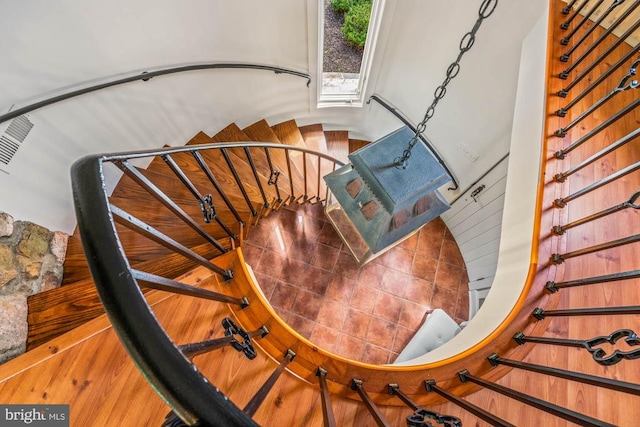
195,400
145,76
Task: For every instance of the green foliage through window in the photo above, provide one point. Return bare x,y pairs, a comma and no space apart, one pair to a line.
356,19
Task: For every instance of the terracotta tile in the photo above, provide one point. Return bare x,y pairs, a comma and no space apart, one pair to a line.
356,323
429,245
316,280
462,306
364,299
403,336
449,276
325,337
388,307
260,235
412,315
251,253
328,236
294,272
411,243
350,347
395,282
424,267
307,305
448,235
399,259
302,325
340,288
271,264
324,257
371,275
375,355
284,314
332,314
435,228
419,291
346,266
302,249
381,333
267,284
279,241
445,299
450,254
284,296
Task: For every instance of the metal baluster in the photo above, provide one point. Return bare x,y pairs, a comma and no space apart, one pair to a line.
273,178
585,18
565,24
293,191
304,168
620,114
133,223
599,355
560,229
467,406
565,40
255,175
329,420
619,143
565,74
616,385
168,285
560,203
241,344
238,181
540,314
624,85
319,167
560,258
205,168
151,188
380,420
206,202
543,405
555,286
259,397
419,413
568,7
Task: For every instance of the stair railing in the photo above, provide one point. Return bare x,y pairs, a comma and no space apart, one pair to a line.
146,76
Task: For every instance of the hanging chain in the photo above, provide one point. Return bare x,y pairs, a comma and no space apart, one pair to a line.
486,9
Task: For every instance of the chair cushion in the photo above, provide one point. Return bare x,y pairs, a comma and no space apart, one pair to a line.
436,330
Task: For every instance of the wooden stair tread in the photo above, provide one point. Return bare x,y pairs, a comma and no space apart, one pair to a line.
57,311
260,131
289,133
356,144
338,144
314,139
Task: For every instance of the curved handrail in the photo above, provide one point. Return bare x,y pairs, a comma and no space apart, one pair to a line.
171,374
145,76
386,104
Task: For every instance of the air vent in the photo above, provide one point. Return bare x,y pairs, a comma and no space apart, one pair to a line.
15,135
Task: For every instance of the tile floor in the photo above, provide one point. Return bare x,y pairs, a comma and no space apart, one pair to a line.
367,314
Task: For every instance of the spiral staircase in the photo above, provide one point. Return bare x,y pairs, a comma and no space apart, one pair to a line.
205,347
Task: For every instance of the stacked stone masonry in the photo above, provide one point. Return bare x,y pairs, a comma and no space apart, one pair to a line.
31,261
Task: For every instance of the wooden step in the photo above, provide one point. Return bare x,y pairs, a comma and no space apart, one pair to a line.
314,139
356,144
289,133
338,144
260,131
53,313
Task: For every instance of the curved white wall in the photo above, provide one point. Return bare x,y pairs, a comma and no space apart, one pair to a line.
49,45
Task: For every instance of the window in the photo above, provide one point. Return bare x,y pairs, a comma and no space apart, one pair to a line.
346,49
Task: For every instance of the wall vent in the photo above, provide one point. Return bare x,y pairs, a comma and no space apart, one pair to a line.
15,135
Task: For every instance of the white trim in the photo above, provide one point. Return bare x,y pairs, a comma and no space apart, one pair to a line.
356,98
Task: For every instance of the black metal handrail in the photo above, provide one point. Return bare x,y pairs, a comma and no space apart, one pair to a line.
170,372
145,76
411,126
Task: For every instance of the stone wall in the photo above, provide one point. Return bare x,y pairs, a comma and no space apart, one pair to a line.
31,261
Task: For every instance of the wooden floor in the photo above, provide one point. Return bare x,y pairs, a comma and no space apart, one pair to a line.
88,369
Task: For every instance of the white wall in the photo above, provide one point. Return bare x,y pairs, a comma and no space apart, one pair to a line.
48,45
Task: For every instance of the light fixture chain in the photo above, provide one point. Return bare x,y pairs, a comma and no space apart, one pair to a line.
486,9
